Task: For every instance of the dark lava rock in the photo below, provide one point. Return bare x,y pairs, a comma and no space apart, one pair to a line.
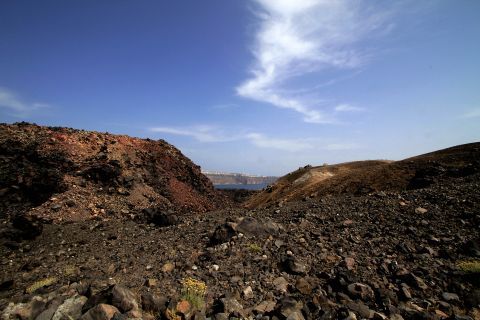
28,227
158,217
252,226
303,286
472,247
21,228
295,266
231,306
473,299
360,290
100,312
6,284
105,173
449,297
102,296
361,309
415,281
290,306
153,303
123,299
222,234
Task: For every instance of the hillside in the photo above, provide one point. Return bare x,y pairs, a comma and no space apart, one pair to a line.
363,177
66,174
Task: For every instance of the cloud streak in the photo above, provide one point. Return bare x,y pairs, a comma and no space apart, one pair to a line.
298,37
348,108
209,134
19,108
293,145
202,133
473,113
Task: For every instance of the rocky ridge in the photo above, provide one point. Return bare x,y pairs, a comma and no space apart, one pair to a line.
62,174
363,177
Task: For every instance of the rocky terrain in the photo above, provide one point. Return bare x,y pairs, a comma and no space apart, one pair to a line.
411,253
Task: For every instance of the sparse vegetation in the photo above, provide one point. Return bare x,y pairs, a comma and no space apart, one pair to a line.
194,292
254,247
40,284
70,270
469,266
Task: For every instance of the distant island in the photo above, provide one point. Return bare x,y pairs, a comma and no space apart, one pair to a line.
223,178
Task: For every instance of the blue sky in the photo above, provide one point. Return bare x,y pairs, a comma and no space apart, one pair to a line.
255,86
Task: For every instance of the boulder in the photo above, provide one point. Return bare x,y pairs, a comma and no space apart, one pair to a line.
123,299
153,303
70,308
222,234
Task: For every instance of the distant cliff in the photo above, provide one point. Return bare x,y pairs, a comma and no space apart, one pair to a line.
237,178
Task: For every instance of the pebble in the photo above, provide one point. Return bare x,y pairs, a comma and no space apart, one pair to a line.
349,263
449,297
168,267
248,292
281,285
265,306
152,283
303,286
360,290
420,210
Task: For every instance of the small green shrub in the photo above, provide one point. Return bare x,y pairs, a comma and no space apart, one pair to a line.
40,284
254,247
194,292
70,270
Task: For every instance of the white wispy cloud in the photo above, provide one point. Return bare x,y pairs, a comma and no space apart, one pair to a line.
296,145
208,134
202,133
11,101
297,37
473,113
292,145
348,108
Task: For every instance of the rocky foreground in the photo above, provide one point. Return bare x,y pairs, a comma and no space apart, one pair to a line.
412,255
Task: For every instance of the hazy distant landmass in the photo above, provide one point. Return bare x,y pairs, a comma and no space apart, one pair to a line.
257,186
225,178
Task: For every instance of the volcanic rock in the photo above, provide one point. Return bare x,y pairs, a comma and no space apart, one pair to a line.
100,312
